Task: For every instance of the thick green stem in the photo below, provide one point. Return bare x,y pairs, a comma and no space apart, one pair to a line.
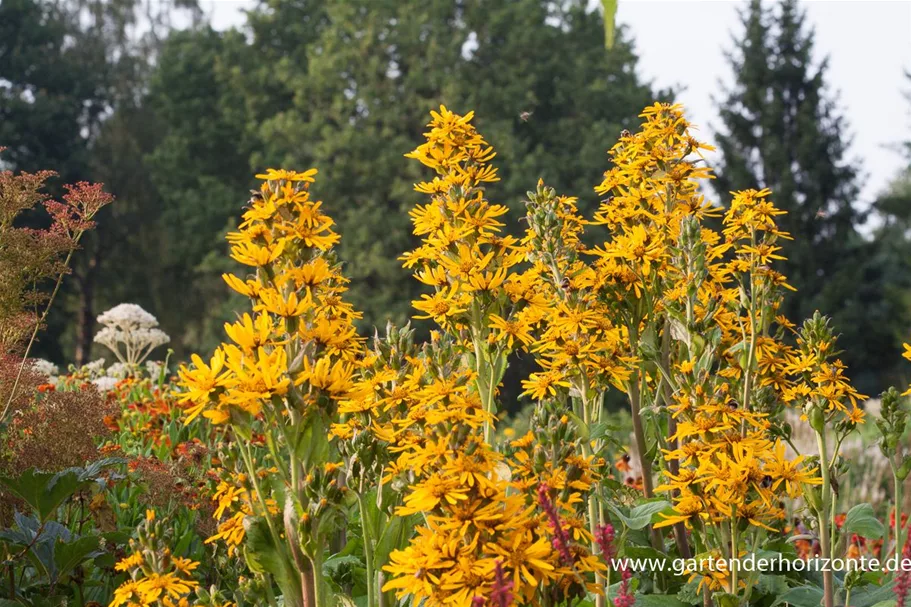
484,385
368,551
639,434
593,519
825,546
316,561
683,545
305,582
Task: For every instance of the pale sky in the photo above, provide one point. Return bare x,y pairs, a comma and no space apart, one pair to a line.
682,43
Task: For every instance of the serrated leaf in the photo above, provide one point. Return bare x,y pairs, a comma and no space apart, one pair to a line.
263,555
640,516
874,596
69,555
861,521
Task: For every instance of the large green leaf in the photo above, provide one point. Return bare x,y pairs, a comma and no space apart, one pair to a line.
263,555
863,522
803,596
640,516
43,491
873,596
395,536
69,555
658,600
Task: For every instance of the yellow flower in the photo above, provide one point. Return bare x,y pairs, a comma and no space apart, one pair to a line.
251,254
130,562
511,330
540,385
250,335
278,174
155,586
128,593
200,381
282,305
441,306
425,495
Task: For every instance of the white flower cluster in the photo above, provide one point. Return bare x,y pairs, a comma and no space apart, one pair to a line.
94,368
105,384
119,371
155,369
45,367
131,333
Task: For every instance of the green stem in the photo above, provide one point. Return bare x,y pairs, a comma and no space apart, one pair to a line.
247,456
639,432
735,554
368,550
483,384
317,561
825,547
592,498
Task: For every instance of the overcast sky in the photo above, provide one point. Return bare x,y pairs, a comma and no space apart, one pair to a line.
682,43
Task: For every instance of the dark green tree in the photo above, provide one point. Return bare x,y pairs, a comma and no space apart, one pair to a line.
52,98
347,87
75,74
200,171
782,130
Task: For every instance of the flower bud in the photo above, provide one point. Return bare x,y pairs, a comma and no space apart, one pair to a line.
817,419
904,469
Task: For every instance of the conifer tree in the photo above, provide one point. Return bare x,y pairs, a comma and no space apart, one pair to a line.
782,130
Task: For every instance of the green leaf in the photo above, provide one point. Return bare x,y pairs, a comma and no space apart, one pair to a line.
640,516
803,596
42,491
771,585
581,426
690,593
603,430
69,555
874,596
863,522
395,536
263,555
334,563
658,600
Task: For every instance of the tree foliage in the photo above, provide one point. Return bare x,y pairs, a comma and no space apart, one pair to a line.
342,86
783,130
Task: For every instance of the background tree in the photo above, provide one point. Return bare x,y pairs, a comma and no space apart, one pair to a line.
782,130
346,86
186,116
76,73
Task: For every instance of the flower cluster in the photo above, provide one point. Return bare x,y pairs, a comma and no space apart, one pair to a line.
282,374
130,333
461,486
157,578
677,306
